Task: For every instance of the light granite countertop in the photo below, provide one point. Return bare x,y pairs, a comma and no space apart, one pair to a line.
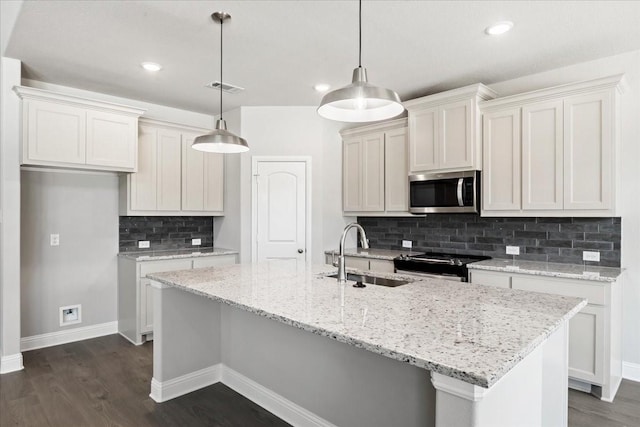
472,333
176,253
386,254
551,269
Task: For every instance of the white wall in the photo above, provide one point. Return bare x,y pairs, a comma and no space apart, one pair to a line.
628,173
10,356
83,209
290,131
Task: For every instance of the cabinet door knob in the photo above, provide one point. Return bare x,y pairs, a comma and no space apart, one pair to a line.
300,251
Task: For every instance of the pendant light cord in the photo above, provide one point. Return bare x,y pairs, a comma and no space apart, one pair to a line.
360,34
221,57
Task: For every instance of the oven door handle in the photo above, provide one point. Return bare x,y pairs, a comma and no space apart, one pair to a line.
460,201
430,276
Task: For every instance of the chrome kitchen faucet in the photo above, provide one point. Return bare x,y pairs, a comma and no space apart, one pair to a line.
342,275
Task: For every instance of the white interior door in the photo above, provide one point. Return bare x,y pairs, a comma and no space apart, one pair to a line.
280,211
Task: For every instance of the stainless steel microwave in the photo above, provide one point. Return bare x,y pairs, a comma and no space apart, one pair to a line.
444,192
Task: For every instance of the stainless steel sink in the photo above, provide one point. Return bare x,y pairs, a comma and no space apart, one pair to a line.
373,280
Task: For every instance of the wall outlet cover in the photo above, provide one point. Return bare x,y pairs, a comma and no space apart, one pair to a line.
70,315
54,240
591,256
196,242
513,250
143,244
407,244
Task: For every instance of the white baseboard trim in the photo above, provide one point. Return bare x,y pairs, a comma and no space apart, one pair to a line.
69,335
11,363
631,371
279,406
170,389
579,385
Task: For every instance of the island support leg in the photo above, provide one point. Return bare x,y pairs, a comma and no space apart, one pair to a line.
533,393
186,347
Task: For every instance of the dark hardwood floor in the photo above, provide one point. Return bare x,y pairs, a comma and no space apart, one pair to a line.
105,382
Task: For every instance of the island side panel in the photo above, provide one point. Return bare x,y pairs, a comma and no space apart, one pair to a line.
344,385
534,393
186,348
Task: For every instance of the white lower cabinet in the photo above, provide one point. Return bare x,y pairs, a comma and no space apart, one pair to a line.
594,333
135,294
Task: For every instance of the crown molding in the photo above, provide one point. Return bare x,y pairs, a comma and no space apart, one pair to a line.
616,82
378,127
475,90
26,93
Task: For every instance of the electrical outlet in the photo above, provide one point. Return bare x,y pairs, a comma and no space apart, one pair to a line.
54,240
70,315
591,256
407,244
142,244
513,250
196,242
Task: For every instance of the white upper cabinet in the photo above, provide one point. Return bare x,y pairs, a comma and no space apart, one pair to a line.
396,190
352,175
67,131
542,157
501,175
588,150
374,170
444,130
202,178
172,177
555,147
111,140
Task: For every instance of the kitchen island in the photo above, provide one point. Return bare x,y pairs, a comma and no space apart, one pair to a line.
317,353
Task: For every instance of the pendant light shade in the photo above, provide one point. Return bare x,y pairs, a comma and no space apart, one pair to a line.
220,140
360,101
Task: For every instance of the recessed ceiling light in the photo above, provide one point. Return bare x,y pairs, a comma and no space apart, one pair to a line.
499,28
151,66
321,87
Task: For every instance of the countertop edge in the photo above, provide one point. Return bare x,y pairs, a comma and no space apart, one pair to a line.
547,273
138,256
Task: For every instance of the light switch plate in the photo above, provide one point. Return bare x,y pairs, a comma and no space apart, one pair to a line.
54,239
591,256
407,244
142,244
196,242
513,250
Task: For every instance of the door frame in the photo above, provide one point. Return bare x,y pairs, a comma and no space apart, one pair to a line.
254,200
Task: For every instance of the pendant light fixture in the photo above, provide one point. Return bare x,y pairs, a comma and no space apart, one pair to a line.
360,101
220,140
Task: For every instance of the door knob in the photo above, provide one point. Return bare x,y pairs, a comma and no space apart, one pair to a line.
300,251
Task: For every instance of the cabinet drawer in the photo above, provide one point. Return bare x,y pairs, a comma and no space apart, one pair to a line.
381,265
213,261
594,292
500,280
355,262
159,266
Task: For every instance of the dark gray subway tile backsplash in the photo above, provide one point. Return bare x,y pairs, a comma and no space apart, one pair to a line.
540,239
165,232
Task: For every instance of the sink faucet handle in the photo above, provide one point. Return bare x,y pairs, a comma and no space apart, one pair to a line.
334,261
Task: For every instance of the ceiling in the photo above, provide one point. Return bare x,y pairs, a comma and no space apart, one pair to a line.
277,50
